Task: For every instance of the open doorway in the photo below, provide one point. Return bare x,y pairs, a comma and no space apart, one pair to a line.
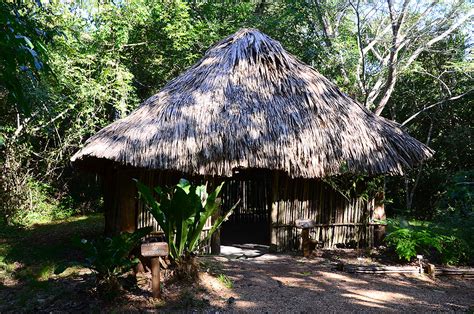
250,221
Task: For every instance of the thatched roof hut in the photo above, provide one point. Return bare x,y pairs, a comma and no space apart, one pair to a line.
249,104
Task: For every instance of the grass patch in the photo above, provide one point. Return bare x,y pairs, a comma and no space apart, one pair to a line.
30,255
33,253
210,266
226,281
43,207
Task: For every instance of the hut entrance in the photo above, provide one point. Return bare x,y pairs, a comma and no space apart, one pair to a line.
250,221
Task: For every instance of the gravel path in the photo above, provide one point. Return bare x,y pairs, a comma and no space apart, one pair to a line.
284,283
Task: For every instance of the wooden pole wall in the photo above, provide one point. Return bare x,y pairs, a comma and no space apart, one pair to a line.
274,212
120,202
270,198
339,221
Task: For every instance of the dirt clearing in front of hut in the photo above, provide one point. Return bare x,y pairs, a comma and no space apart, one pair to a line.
285,283
242,279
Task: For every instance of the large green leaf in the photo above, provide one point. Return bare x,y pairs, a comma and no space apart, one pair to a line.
210,207
216,225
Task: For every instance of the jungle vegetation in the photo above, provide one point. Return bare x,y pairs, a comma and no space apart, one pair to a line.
68,68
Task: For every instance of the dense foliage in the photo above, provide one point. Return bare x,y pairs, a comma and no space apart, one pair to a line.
69,68
448,241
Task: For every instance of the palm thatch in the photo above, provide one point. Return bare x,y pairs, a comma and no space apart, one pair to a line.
248,103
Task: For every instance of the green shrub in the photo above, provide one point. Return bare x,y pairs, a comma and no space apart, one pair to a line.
458,197
109,258
410,240
448,241
459,231
182,211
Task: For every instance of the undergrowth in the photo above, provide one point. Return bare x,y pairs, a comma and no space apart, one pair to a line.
449,240
41,206
226,281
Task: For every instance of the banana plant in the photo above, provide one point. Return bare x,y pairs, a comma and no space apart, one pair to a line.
182,211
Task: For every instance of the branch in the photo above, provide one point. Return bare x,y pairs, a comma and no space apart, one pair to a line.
361,79
376,54
436,104
438,78
438,38
392,72
377,38
60,115
420,168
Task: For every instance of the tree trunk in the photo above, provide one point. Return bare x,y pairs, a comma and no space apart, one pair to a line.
216,236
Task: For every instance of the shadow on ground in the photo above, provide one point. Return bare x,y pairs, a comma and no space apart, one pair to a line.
283,283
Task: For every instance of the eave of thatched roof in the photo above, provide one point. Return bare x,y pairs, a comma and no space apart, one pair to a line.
248,103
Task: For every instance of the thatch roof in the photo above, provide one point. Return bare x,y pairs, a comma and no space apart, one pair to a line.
248,103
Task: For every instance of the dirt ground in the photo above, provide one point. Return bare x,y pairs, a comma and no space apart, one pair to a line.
284,283
251,280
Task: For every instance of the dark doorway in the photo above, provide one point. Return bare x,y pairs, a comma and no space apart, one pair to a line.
250,221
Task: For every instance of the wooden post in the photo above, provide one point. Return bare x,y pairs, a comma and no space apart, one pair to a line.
379,214
109,180
306,242
155,250
127,202
431,270
155,277
274,213
120,201
216,237
308,245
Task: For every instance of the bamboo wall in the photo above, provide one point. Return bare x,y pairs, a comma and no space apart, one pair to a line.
340,222
269,200
278,200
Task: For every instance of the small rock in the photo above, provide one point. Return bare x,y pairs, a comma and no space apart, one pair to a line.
231,300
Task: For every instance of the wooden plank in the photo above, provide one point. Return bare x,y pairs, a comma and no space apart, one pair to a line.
327,225
454,271
305,223
155,249
371,269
